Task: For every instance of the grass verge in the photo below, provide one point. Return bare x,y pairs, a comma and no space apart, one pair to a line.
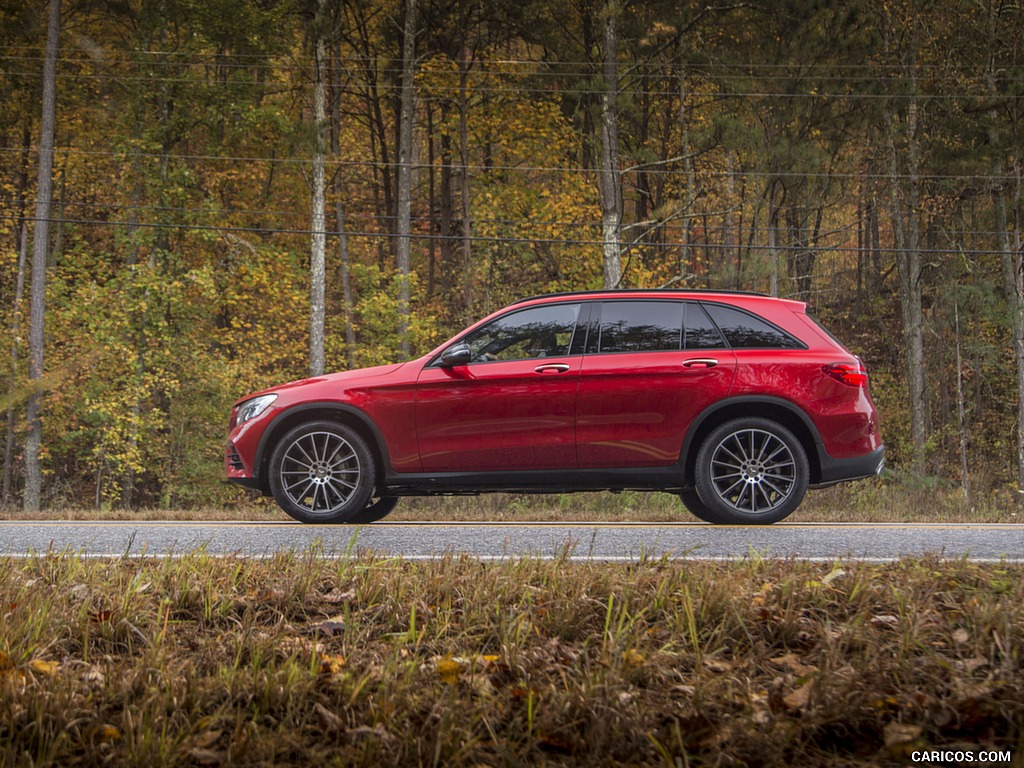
869,501
298,660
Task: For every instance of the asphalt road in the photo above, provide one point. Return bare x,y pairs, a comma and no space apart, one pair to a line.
599,541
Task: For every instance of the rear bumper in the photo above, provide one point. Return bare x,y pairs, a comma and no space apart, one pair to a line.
857,468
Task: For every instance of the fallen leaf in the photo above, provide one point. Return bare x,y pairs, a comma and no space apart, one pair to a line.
365,731
207,739
336,597
449,670
902,739
328,720
206,757
107,734
970,666
718,665
632,658
838,573
331,627
79,591
44,667
886,620
331,665
792,663
103,616
554,742
799,698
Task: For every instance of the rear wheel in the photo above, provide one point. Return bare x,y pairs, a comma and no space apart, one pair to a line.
322,472
751,471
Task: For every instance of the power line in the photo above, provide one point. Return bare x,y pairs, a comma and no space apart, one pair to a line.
746,248
127,155
682,221
519,90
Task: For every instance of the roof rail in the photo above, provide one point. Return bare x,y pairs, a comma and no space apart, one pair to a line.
627,291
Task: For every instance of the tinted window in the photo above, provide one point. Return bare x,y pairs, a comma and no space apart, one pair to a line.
537,332
746,331
641,326
698,330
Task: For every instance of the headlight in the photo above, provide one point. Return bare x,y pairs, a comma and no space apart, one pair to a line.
250,409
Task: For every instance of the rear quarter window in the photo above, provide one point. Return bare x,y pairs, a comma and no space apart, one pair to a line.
746,331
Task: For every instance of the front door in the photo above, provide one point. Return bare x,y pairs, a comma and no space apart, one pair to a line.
513,407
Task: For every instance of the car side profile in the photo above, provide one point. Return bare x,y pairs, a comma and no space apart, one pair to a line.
736,402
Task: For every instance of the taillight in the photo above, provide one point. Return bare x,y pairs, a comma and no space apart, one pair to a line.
845,373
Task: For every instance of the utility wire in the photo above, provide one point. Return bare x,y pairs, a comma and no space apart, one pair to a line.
955,250
127,155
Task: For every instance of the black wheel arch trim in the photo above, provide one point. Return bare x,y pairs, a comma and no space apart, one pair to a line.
688,454
274,427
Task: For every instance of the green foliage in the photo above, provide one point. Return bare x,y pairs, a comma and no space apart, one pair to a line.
184,136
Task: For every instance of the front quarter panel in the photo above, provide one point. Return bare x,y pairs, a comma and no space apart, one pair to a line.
384,403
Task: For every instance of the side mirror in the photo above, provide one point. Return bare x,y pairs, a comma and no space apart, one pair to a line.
457,354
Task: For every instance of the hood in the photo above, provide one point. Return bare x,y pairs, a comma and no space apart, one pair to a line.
341,377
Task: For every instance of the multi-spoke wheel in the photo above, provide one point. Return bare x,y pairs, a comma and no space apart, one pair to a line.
751,471
322,472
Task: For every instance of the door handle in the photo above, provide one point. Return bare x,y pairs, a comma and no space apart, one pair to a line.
700,362
552,368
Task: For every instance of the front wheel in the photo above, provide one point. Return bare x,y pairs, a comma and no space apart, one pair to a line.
751,471
322,472
375,509
695,506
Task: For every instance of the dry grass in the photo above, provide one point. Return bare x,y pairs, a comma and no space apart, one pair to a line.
866,501
299,660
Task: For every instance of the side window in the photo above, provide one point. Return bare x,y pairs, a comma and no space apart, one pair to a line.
745,331
698,330
536,332
641,326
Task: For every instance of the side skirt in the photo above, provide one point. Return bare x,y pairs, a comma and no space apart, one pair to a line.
538,481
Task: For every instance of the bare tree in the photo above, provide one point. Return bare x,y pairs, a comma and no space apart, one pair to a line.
19,291
611,178
318,238
40,248
405,126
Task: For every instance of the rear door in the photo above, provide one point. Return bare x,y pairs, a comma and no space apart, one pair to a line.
652,366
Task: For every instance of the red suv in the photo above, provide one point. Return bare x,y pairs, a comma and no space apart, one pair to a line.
735,402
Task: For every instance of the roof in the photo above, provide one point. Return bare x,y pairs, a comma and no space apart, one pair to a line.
611,292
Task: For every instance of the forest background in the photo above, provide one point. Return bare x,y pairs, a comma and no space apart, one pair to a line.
247,192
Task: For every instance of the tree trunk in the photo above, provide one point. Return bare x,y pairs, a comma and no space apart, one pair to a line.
467,222
405,127
1013,281
611,179
773,240
907,234
347,300
961,411
40,248
19,294
318,226
691,179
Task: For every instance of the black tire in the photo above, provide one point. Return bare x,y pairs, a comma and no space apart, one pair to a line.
322,472
692,502
375,509
751,471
